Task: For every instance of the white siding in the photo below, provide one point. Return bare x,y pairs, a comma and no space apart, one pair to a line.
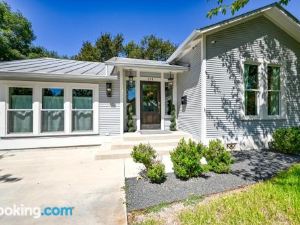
109,109
258,38
189,116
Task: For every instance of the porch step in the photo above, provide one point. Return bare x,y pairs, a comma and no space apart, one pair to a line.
151,137
124,154
172,143
163,143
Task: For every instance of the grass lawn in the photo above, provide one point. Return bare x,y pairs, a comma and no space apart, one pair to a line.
276,201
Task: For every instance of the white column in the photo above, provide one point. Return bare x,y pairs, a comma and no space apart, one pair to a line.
138,100
203,90
37,99
162,92
175,95
68,109
96,109
121,101
2,110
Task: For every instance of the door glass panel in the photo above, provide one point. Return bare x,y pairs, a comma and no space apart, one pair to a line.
150,98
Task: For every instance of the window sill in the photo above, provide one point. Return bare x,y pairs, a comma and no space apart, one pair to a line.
49,134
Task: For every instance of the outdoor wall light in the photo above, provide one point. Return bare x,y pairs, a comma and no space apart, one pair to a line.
131,81
170,80
108,89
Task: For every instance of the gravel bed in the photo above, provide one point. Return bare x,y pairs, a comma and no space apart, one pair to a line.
249,167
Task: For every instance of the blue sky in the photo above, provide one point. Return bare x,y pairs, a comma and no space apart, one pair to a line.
62,25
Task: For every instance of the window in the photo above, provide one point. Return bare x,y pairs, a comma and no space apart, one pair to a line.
82,110
251,89
20,113
52,110
168,98
273,91
130,96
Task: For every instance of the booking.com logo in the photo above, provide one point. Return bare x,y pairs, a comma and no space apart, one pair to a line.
35,212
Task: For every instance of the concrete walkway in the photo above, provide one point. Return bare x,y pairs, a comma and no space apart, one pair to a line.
63,178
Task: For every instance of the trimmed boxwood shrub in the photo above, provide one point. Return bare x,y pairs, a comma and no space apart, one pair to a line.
156,173
218,158
286,140
145,154
186,159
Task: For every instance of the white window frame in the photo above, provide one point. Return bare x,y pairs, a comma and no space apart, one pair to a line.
41,110
72,110
37,107
262,98
7,110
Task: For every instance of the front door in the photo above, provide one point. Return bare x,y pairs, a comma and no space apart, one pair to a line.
150,105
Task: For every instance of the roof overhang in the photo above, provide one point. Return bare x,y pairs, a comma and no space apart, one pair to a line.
54,77
274,12
166,67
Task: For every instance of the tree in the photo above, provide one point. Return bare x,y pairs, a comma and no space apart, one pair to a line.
234,6
150,47
108,46
38,52
16,34
133,50
87,52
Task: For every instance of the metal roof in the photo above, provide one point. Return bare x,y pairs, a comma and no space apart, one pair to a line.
130,62
51,66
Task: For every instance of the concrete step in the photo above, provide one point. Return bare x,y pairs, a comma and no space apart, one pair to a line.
172,143
175,136
125,154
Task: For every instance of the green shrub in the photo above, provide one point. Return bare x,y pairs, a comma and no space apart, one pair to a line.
286,140
186,159
173,118
156,173
130,120
145,154
218,158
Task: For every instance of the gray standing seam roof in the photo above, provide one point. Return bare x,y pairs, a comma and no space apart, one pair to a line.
55,66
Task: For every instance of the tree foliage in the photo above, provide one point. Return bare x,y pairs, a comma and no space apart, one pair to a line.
233,6
108,46
16,34
150,47
16,37
87,52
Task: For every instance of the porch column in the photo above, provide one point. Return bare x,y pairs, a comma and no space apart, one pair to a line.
3,89
162,104
121,101
37,93
138,100
175,96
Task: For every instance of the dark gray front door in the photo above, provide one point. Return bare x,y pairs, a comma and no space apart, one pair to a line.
150,105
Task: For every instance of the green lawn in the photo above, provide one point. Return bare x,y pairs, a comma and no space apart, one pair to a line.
276,201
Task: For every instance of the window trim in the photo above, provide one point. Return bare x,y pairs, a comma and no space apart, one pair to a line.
8,109
243,90
41,110
37,107
74,110
263,87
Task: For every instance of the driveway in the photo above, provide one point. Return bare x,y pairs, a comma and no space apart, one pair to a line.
62,178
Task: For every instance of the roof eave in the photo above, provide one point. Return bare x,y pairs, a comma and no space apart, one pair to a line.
157,67
43,76
181,47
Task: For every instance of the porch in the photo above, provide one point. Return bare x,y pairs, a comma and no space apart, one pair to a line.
149,96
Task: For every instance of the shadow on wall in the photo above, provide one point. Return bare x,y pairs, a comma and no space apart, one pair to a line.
226,118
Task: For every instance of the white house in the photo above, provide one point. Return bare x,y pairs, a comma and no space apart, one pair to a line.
237,80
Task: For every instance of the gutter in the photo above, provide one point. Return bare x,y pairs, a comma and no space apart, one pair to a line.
160,67
22,75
